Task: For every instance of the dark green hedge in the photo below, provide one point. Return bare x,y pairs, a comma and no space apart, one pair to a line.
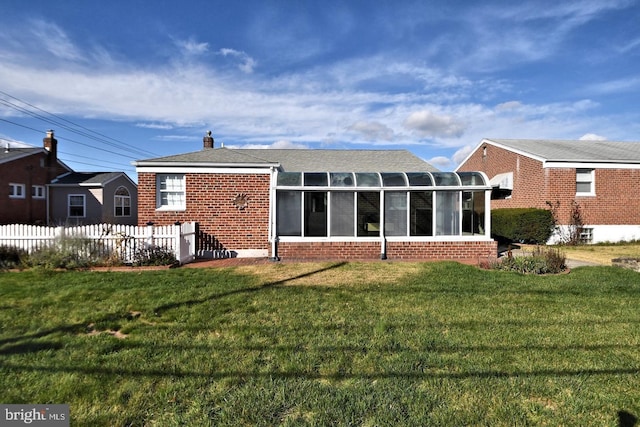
525,225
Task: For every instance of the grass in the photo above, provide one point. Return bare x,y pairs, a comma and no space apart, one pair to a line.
367,344
602,254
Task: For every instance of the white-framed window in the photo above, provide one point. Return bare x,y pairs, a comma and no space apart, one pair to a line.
76,206
122,202
586,235
585,182
37,191
171,191
16,191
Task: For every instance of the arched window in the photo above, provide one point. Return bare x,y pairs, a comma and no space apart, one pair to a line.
122,202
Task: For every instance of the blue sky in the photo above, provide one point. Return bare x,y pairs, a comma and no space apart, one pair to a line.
129,80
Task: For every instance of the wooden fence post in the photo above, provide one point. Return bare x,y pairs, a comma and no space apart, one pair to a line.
149,243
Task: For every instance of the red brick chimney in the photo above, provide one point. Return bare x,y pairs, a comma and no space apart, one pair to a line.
51,145
207,141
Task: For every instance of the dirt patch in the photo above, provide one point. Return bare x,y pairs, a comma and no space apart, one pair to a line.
92,332
331,273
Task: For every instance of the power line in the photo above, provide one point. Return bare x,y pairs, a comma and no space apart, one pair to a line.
71,140
79,129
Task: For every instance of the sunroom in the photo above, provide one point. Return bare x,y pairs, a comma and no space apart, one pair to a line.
381,206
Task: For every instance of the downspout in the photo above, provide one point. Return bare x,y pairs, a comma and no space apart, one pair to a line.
272,217
383,238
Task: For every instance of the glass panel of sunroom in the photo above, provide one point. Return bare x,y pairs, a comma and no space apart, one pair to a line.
289,213
289,178
368,213
395,213
367,180
446,179
339,179
471,178
342,213
316,179
393,179
447,213
315,213
421,179
473,212
421,213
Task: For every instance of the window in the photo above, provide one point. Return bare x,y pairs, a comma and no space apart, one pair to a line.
289,212
315,213
122,202
473,212
447,213
585,235
343,213
76,206
171,191
37,191
16,191
421,213
395,213
368,213
585,184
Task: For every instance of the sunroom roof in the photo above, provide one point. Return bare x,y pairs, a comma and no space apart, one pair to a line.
381,179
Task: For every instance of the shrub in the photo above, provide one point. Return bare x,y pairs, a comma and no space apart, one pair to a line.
524,225
66,252
153,256
11,257
539,261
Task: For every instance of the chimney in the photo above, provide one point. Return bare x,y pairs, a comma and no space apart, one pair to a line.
208,140
51,145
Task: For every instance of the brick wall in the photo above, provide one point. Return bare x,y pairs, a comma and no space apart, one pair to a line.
617,200
210,202
30,170
476,251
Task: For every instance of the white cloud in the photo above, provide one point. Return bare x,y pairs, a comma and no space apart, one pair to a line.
592,137
55,40
462,153
440,162
247,64
429,124
282,144
162,126
192,47
509,106
373,130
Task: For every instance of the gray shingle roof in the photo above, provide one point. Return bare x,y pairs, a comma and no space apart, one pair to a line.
575,151
302,160
15,153
86,178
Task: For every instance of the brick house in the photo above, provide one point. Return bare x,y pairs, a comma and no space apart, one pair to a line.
24,176
37,188
601,177
320,204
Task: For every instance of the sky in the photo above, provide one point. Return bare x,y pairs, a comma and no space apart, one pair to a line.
125,80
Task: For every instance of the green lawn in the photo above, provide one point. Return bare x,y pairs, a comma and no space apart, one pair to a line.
370,344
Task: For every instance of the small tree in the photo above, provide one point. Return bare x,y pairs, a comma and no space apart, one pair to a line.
575,224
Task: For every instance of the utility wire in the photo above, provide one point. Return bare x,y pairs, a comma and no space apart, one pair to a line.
84,132
71,140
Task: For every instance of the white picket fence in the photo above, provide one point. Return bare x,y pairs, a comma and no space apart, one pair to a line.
105,240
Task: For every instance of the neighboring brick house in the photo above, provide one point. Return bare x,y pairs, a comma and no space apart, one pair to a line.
24,175
93,198
320,204
601,177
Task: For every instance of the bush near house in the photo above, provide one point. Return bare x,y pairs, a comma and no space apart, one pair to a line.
524,225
